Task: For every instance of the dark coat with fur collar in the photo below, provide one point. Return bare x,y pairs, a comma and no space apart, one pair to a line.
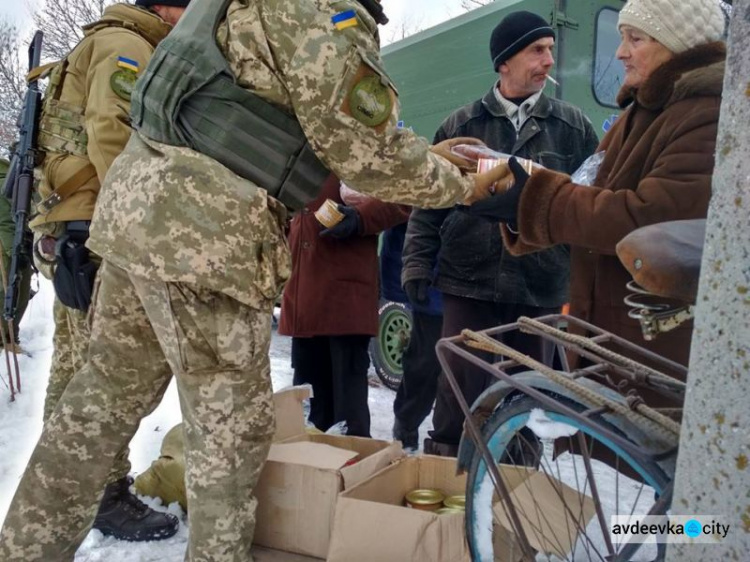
658,166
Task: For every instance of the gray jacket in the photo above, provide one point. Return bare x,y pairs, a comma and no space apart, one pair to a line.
469,253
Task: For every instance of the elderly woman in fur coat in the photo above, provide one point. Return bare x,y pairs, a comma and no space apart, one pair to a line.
658,162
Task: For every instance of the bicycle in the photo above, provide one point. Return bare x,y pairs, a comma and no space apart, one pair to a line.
594,447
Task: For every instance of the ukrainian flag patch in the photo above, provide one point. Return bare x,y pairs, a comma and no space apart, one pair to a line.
344,20
128,64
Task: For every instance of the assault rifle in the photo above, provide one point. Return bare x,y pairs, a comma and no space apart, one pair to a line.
20,181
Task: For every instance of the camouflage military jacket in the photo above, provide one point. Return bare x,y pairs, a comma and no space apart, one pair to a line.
171,213
84,123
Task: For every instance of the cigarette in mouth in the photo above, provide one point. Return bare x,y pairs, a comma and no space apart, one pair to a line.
555,82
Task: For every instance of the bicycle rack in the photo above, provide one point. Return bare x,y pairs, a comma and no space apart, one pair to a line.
600,367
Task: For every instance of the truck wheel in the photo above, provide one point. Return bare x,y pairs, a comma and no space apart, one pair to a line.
387,348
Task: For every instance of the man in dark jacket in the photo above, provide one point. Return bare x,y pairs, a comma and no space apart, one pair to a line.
416,392
482,284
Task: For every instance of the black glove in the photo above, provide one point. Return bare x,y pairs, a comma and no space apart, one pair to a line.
503,206
416,291
348,226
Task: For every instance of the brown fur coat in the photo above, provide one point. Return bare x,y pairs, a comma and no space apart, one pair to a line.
658,166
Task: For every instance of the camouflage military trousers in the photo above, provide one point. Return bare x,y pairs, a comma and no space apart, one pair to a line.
142,332
71,344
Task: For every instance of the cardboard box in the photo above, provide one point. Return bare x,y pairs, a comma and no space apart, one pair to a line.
303,476
546,525
290,416
372,525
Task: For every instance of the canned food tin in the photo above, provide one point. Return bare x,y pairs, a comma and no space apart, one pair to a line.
485,164
455,502
449,511
328,214
427,500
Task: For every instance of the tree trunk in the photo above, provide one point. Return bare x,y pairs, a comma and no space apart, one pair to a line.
713,467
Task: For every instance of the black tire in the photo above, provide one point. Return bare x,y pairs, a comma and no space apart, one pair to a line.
387,347
506,421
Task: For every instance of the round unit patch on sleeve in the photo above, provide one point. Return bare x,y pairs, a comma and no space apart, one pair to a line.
122,83
370,101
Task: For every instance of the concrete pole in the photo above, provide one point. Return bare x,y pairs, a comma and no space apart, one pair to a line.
713,467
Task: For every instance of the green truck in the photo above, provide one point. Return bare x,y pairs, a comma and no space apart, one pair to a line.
447,66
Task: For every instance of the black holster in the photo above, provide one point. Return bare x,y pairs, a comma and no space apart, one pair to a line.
75,272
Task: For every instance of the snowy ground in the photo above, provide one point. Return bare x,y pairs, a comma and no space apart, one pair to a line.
21,423
21,426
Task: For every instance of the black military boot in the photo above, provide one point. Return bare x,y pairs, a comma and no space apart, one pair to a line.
123,516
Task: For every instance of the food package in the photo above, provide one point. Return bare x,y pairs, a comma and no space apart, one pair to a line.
328,214
586,172
486,158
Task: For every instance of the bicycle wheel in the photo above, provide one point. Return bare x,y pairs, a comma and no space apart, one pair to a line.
523,433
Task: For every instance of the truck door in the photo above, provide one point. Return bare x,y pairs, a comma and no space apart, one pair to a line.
588,71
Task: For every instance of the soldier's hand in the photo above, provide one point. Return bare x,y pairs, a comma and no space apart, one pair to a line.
443,149
498,178
45,248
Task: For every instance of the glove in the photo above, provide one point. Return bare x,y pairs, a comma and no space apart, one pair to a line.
416,291
503,206
443,149
348,226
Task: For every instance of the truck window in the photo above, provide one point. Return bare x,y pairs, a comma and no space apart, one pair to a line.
608,71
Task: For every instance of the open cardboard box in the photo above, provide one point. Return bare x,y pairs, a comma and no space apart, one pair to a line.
290,416
303,476
372,524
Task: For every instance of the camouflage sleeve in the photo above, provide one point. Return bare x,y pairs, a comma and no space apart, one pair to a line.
117,57
348,108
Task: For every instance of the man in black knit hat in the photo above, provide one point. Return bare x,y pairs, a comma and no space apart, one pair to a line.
482,284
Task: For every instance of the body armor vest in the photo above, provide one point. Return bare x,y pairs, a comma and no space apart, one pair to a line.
188,97
62,126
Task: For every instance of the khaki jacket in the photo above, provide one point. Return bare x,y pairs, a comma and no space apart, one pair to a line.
87,94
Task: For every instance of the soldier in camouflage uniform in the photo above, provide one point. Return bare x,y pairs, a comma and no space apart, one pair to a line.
84,125
7,232
194,256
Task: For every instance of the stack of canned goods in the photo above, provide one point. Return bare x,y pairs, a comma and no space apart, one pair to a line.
435,500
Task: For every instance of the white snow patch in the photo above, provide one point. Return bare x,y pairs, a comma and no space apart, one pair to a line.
545,428
484,521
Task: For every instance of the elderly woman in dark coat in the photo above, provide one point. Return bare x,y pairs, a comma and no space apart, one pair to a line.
658,163
330,305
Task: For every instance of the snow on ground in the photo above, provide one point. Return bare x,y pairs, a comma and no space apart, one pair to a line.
21,423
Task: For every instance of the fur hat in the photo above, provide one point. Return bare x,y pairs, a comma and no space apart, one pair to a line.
679,25
517,31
